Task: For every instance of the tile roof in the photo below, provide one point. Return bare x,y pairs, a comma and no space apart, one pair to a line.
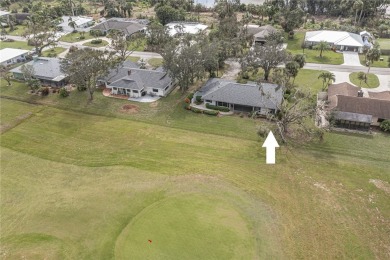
264,95
127,26
384,95
187,27
360,105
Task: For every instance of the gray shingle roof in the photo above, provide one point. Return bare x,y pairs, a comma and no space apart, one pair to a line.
121,71
45,68
140,79
127,26
266,95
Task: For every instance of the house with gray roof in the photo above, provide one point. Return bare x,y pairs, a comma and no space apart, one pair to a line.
128,79
264,98
127,26
47,70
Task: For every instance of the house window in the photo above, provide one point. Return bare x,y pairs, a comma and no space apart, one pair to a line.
114,88
166,87
135,91
208,101
155,90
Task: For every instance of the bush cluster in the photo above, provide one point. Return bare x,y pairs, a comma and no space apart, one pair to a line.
63,92
96,41
44,91
385,126
198,99
220,108
187,100
211,113
190,96
196,110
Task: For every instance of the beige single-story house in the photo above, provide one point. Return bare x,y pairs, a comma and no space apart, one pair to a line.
342,41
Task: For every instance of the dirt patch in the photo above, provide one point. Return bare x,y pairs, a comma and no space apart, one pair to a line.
382,185
129,109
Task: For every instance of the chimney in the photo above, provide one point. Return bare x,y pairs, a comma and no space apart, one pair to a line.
128,72
360,93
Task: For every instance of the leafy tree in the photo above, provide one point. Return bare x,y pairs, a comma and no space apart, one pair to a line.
372,55
183,63
41,31
322,46
266,57
84,66
226,8
5,74
125,46
300,59
326,77
157,37
167,14
292,69
292,19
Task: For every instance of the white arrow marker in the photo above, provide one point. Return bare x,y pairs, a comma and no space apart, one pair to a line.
270,145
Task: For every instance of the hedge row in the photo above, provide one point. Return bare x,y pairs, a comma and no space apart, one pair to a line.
220,108
190,96
199,111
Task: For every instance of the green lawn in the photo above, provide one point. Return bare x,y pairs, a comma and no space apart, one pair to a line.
90,44
19,30
15,45
155,62
138,45
75,37
308,80
378,64
133,58
85,181
53,51
384,43
372,80
312,56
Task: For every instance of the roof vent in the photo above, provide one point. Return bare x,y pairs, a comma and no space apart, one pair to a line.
360,93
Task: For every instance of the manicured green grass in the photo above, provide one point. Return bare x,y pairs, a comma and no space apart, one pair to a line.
15,45
308,80
384,43
53,51
192,217
377,64
155,62
163,184
75,37
90,44
372,80
312,56
19,30
133,58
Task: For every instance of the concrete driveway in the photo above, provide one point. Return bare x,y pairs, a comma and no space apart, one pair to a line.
351,58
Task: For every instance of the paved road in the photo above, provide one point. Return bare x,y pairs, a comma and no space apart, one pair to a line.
346,68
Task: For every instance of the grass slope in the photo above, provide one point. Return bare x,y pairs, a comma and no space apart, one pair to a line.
15,45
317,201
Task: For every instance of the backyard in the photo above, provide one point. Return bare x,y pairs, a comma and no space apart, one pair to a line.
312,56
97,183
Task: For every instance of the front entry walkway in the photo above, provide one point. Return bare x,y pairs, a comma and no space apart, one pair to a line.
351,58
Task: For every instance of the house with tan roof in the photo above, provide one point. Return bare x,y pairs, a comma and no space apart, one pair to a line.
352,110
260,33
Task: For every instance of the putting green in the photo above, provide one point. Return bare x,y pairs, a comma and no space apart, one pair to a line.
188,227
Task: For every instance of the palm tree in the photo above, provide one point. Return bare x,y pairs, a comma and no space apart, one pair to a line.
322,46
361,76
326,77
372,55
72,23
357,5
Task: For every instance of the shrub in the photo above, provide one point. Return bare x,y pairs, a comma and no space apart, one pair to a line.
190,96
73,48
262,131
44,91
187,100
223,109
81,88
211,113
63,92
187,107
82,37
198,99
96,33
96,41
196,110
385,126
8,40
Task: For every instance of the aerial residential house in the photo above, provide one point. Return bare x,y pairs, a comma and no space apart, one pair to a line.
5,16
10,56
352,110
21,17
181,28
47,70
260,33
264,98
127,26
342,41
129,80
81,23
